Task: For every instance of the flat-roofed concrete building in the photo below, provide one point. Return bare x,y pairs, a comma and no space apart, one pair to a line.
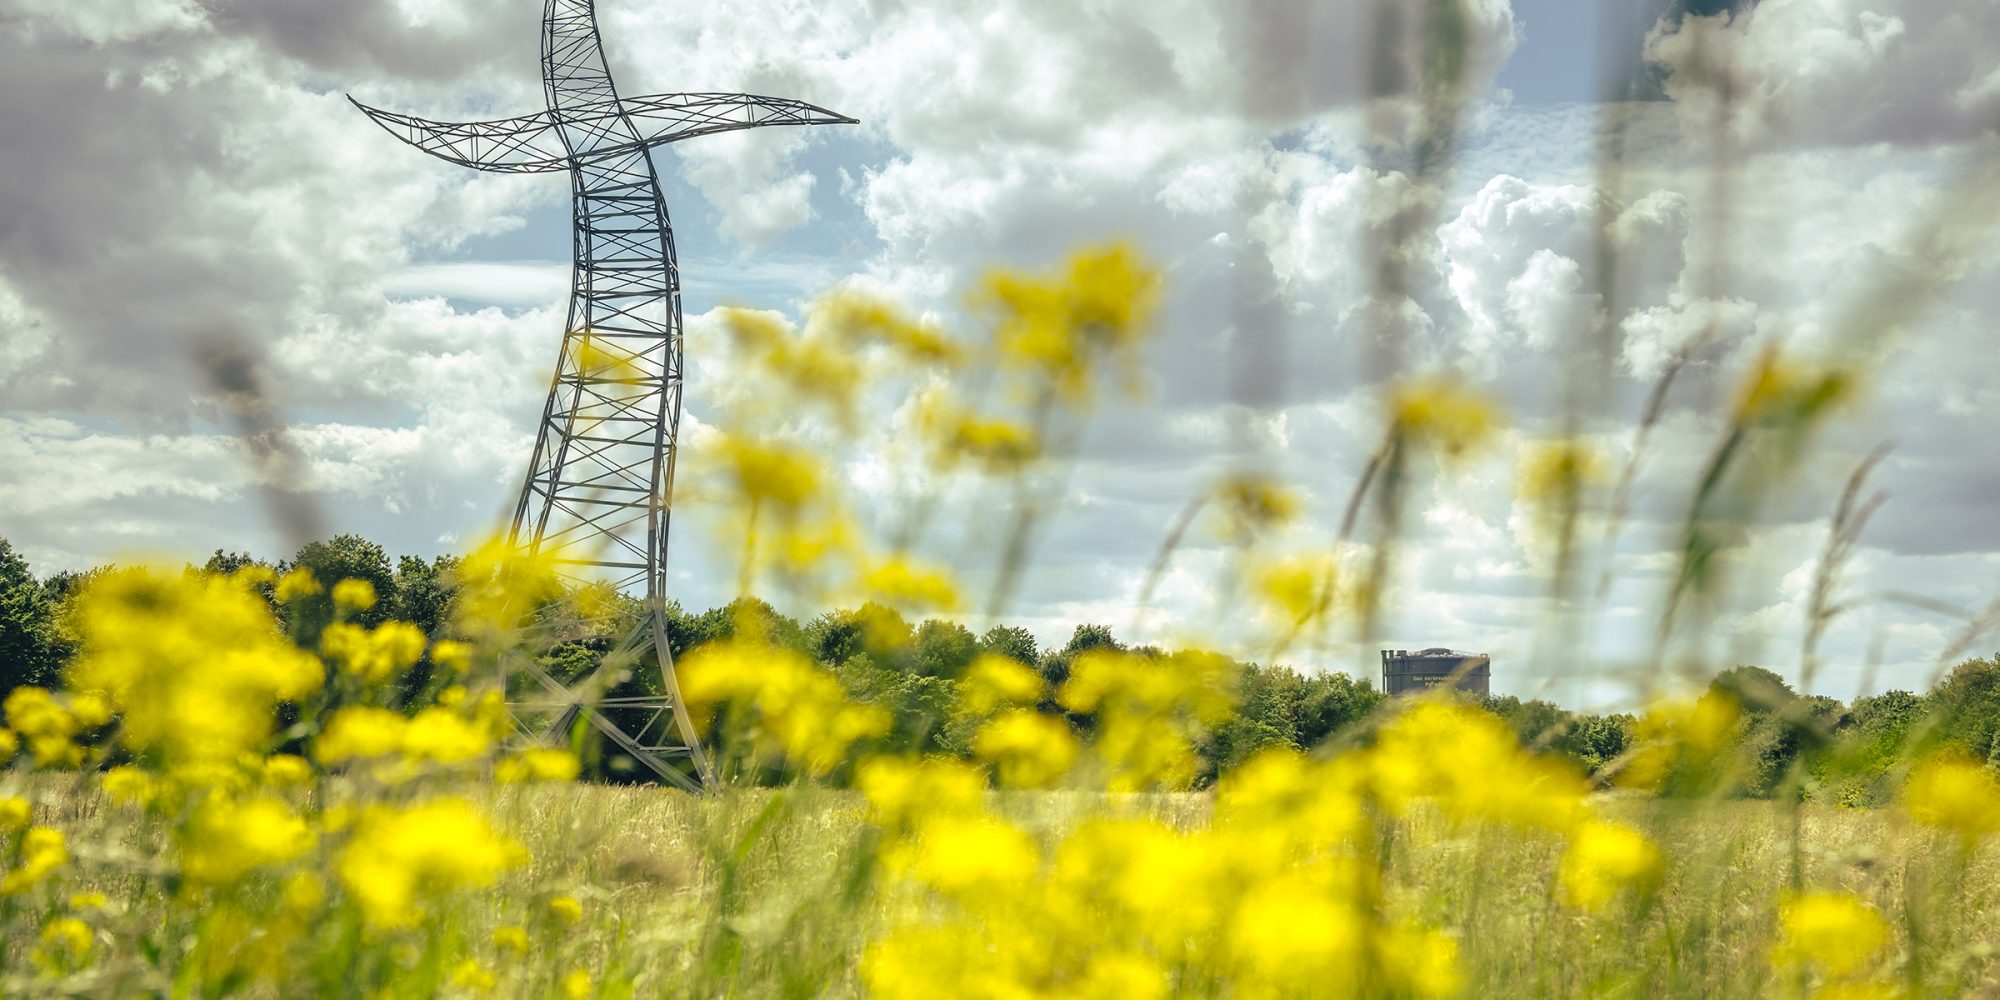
1405,671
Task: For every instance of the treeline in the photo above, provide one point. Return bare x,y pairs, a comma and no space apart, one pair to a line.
1764,738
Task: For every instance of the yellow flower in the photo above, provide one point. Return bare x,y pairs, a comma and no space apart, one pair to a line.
46,724
1296,937
88,901
1442,415
10,744
374,656
129,784
15,814
42,852
576,985
451,656
1057,328
1956,793
296,584
288,769
398,857
538,764
358,732
67,935
1032,750
227,840
963,856
195,664
566,909
500,586
1787,392
857,317
1834,932
1419,962
442,736
780,477
1253,505
800,711
900,792
350,596
900,583
1604,859
512,938
993,682
469,975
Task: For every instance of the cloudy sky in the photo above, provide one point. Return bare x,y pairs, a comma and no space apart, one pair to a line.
183,180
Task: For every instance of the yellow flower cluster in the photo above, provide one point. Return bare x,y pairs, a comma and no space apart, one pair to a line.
788,706
1955,793
50,724
1149,710
399,857
36,855
1832,932
438,735
1442,415
1058,328
194,662
373,656
1685,743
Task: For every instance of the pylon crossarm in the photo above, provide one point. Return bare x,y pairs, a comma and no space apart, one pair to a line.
529,144
664,118
532,144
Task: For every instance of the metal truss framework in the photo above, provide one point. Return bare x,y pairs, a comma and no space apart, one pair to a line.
598,494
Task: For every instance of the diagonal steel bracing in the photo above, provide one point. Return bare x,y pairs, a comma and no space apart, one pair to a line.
600,482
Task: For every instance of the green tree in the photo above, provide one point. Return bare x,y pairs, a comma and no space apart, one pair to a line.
32,648
943,649
1055,665
1331,703
1012,642
424,591
342,557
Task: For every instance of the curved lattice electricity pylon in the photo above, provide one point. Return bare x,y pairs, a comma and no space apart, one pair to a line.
599,488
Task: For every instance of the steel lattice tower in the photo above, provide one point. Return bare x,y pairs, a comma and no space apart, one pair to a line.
599,487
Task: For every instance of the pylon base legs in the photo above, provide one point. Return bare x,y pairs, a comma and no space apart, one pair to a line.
653,743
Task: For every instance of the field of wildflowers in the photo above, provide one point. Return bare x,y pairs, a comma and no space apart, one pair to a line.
213,803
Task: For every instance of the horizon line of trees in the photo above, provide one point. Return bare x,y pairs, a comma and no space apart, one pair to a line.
1780,742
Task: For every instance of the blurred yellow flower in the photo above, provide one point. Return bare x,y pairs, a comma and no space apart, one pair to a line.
226,840
1954,792
798,710
469,975
359,732
67,935
1834,932
576,985
1252,505
10,744
399,857
43,850
374,656
1030,750
442,736
195,663
88,901
15,814
538,764
297,583
1605,859
566,909
993,682
511,938
351,596
1443,415
1058,328
905,585
963,856
1787,392
287,769
901,792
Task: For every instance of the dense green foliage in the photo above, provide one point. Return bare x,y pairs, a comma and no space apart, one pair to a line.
1781,742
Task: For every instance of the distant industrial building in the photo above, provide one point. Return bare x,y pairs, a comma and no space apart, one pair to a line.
1404,671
